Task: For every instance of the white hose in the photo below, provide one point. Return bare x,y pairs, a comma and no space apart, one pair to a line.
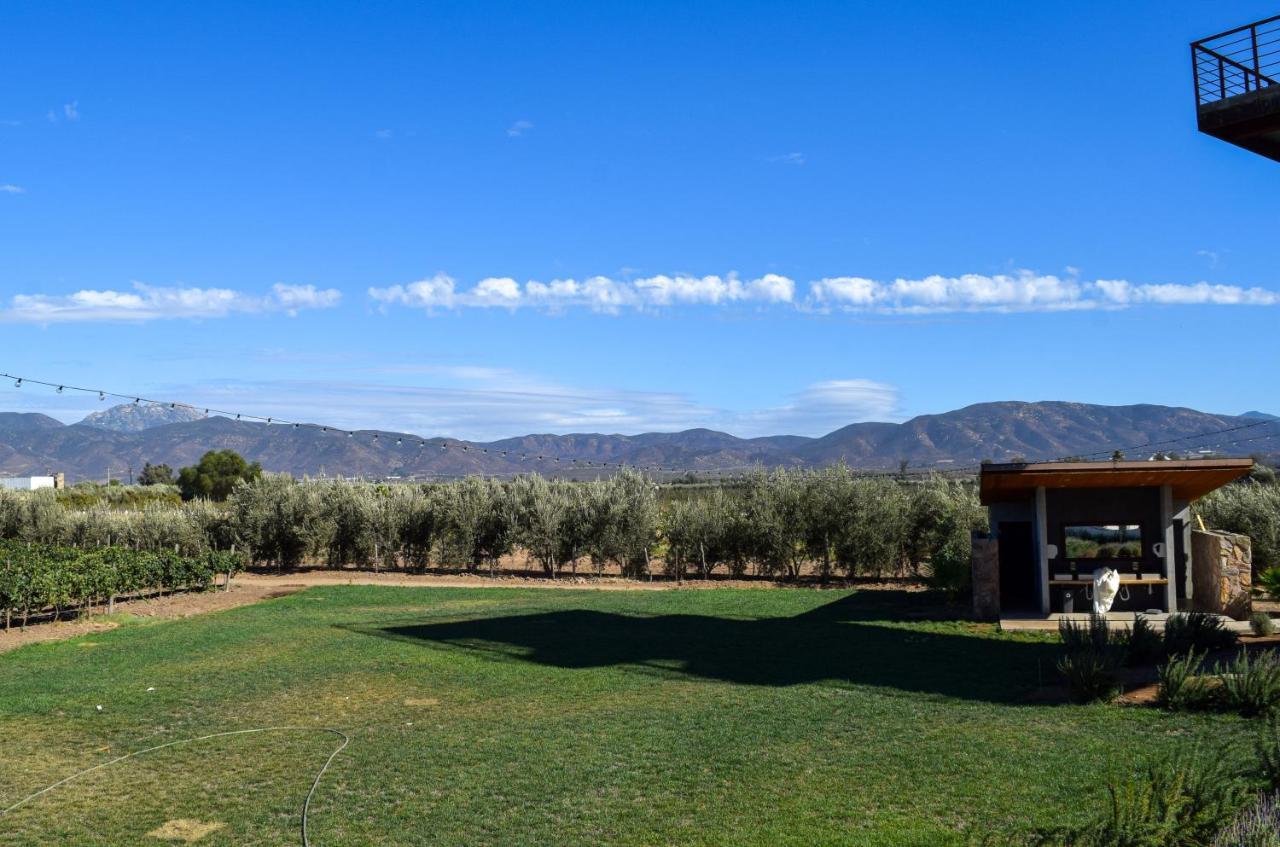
306,804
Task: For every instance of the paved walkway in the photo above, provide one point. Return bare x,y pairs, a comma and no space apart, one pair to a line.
1116,620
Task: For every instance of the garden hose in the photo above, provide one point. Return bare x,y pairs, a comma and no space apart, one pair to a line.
306,804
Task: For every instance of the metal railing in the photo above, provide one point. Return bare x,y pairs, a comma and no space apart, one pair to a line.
1238,61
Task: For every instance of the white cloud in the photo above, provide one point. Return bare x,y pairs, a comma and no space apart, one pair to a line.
72,110
796,159
480,402
1122,293
147,302
598,293
10,188
383,134
1020,291
848,291
826,406
1023,291
294,298
497,291
519,128
425,293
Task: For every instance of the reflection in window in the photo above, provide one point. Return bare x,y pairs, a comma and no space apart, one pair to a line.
1116,541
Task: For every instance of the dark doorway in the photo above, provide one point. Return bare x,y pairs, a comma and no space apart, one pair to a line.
1017,567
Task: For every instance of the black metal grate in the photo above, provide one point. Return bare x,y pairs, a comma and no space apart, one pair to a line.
1236,62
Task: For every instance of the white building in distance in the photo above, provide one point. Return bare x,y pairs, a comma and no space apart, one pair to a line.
30,483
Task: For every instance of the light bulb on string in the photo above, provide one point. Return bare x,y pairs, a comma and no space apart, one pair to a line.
59,389
18,383
101,397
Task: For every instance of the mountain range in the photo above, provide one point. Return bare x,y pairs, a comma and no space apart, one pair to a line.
125,437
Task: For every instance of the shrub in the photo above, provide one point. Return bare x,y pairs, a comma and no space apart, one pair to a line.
1095,636
1248,508
1181,686
1261,624
1251,686
1090,675
1269,581
1267,748
950,575
1182,801
1145,644
1257,825
1187,631
36,577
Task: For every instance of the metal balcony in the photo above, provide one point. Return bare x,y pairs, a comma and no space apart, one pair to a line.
1237,93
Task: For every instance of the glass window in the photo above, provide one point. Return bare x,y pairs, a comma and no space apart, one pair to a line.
1098,541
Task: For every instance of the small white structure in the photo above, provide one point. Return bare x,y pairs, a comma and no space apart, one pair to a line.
1106,584
27,483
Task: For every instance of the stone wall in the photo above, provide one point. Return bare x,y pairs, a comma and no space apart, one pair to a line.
1221,573
984,565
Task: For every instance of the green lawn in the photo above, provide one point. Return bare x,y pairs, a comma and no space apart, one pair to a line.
525,716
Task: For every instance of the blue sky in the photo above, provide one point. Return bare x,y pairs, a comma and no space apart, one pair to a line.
479,220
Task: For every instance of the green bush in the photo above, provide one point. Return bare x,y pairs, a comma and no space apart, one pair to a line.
1249,508
1261,624
1251,685
37,577
950,575
1187,631
1267,748
1181,685
1145,644
1090,675
1269,581
1183,801
1095,636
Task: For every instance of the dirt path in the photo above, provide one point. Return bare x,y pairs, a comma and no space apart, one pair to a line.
253,587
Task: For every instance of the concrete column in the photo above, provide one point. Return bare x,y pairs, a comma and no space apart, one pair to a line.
1042,548
1170,558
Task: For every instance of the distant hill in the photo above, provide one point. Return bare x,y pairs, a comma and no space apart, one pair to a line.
32,443
1261,416
136,417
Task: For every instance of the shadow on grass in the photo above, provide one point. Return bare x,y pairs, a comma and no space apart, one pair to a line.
847,641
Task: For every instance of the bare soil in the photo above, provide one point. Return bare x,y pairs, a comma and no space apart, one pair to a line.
249,588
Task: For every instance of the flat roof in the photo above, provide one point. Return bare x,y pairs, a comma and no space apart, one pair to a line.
1190,478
